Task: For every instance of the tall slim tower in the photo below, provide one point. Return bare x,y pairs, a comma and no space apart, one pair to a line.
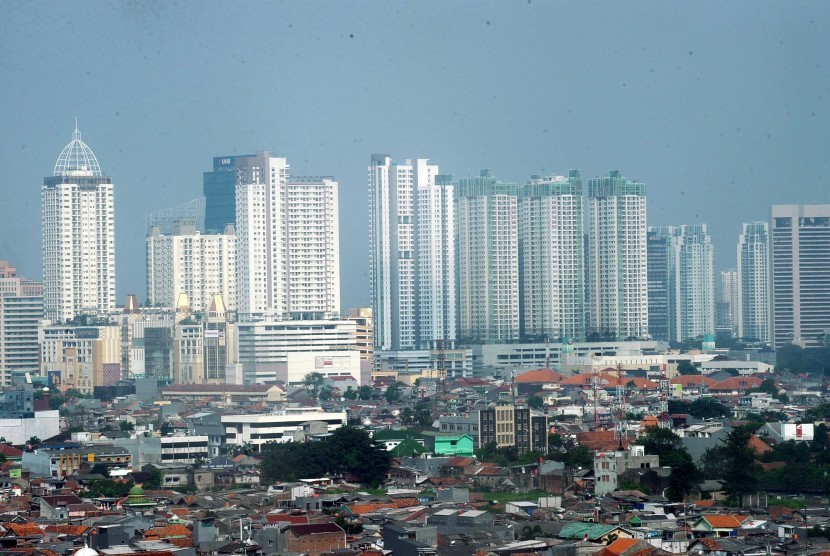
260,237
694,292
488,260
412,254
551,257
800,253
660,299
726,307
753,282
78,226
617,257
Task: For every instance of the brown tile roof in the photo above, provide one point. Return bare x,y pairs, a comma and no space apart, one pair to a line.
75,530
725,521
287,518
361,509
10,451
619,546
169,532
540,376
758,446
736,383
23,530
693,381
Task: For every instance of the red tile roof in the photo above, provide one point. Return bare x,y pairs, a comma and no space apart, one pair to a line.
736,383
540,376
692,381
725,521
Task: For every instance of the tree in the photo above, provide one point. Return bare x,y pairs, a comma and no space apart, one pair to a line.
126,426
350,393
34,441
685,367
789,358
100,469
154,479
684,475
365,392
708,408
346,451
313,382
741,474
661,442
535,402
422,414
393,392
325,393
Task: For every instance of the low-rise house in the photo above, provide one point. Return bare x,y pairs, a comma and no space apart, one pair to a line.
314,539
718,525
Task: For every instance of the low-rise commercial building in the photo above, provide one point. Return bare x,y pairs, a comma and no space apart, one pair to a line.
60,460
259,429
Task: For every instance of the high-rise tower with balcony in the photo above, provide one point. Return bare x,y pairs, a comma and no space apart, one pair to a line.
617,257
551,257
753,282
78,227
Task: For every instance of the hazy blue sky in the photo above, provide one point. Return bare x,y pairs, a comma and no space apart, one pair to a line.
718,106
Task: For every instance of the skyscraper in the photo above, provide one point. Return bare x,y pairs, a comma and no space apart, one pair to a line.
660,298
800,264
186,261
219,189
78,225
617,257
694,270
551,257
753,282
412,254
726,306
488,260
21,313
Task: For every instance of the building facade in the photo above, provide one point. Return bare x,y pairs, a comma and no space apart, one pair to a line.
21,316
726,302
191,263
256,430
488,259
81,357
617,257
753,284
512,425
658,242
78,226
412,238
694,279
551,280
800,273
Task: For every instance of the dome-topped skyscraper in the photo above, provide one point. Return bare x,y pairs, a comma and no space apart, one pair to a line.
78,227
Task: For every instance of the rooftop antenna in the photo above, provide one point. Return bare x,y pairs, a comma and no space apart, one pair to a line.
547,352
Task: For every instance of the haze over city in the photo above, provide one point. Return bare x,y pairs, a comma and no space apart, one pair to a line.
719,109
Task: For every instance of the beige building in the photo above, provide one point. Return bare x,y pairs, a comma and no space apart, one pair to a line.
82,357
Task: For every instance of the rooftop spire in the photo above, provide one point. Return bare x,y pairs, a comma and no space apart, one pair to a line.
77,159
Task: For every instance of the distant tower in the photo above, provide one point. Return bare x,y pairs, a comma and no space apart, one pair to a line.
617,265
753,282
78,227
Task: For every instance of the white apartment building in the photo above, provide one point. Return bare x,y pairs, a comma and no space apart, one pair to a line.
617,257
800,263
312,249
260,235
264,347
185,450
256,430
727,298
189,262
694,267
78,227
551,247
488,259
412,254
753,282
21,315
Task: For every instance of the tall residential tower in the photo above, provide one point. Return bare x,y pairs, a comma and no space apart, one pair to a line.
78,226
488,259
412,254
753,282
617,257
551,257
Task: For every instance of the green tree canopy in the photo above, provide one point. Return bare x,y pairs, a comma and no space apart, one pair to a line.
708,408
687,368
365,392
660,441
393,392
346,451
535,402
313,382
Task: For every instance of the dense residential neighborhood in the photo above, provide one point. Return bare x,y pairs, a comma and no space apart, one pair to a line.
613,461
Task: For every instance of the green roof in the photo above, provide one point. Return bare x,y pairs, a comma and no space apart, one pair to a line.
392,434
578,531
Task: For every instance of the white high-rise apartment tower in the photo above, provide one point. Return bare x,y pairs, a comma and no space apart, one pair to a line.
694,290
617,257
412,254
753,282
312,247
260,237
187,261
488,259
551,249
727,301
78,226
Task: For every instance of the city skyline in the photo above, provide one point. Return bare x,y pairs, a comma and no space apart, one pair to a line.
715,104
